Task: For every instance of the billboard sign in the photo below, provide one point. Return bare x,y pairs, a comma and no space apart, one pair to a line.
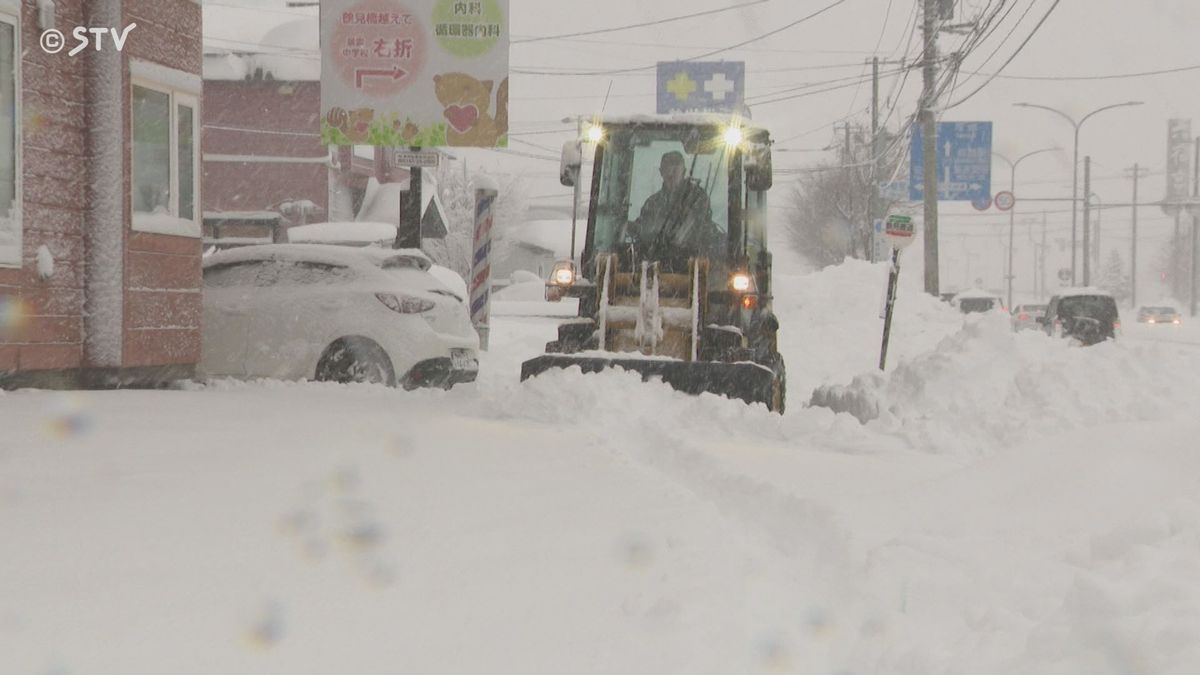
701,86
964,162
414,72
1179,162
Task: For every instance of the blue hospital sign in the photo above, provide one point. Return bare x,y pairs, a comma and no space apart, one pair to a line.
701,86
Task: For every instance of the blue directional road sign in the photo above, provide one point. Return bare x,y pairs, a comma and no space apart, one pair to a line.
964,162
701,86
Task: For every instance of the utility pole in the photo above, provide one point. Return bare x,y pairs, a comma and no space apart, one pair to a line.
1136,173
1042,295
929,144
873,203
1087,214
1195,225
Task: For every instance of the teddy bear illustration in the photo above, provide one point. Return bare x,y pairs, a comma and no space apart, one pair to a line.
354,123
466,102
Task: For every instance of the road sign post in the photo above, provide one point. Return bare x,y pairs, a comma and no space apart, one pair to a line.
964,162
898,230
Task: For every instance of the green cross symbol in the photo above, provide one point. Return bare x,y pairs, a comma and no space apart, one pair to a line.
681,86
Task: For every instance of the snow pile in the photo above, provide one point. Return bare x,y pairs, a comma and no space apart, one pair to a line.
986,386
832,325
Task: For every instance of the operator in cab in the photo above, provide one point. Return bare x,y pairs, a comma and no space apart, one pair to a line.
675,222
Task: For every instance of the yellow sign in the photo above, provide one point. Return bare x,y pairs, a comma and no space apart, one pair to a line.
681,86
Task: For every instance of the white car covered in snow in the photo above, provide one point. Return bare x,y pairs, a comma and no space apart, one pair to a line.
307,311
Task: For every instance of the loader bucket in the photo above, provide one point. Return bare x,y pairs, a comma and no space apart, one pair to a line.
750,382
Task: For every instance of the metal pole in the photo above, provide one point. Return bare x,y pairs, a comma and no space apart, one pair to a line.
409,233
1074,201
1012,185
1133,246
1042,293
1087,213
1195,226
873,205
893,277
578,177
929,146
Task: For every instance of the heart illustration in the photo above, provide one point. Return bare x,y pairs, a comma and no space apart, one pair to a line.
462,117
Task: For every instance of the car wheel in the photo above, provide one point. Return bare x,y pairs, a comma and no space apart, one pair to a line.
355,359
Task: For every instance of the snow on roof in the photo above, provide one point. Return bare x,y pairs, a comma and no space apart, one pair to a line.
1082,290
334,255
704,119
975,293
238,41
550,235
351,232
241,215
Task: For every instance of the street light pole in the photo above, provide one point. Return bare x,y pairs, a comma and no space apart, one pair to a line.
1075,164
1012,212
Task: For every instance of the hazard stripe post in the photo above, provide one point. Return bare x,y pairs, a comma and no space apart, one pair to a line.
481,263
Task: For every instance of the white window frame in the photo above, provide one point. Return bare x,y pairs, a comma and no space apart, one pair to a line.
11,256
172,226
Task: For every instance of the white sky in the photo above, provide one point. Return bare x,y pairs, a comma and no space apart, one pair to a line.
1081,38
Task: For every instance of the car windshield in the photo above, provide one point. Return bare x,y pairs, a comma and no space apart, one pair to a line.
1098,307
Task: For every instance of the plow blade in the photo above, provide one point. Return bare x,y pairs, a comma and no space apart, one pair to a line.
750,382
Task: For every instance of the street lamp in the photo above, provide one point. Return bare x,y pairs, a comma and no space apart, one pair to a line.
1075,162
1012,186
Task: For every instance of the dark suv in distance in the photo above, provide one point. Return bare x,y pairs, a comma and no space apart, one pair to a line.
1088,315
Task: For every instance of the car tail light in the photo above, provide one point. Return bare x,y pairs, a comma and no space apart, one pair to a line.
1022,317
749,301
405,304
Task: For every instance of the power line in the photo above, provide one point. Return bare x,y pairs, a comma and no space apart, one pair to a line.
714,52
1020,47
1067,78
657,22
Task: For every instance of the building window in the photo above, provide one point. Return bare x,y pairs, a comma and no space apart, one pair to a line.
164,161
10,181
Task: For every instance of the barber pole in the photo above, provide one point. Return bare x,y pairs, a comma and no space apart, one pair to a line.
481,265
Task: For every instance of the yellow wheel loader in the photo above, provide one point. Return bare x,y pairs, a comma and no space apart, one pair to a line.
674,280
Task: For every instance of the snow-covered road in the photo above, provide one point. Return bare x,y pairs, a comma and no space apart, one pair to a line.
1019,506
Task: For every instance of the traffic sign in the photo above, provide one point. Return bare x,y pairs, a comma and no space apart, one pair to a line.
399,157
899,230
982,204
1005,200
701,86
1064,274
964,162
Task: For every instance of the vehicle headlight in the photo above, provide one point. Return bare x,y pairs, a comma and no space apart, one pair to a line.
741,282
733,136
563,274
595,133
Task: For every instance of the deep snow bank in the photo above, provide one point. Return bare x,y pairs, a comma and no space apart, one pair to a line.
986,386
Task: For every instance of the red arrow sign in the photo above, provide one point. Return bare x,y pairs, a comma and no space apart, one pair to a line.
360,74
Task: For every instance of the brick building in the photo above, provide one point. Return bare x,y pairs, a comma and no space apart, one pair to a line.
99,192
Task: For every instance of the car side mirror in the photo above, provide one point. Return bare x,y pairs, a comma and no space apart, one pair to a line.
569,163
759,172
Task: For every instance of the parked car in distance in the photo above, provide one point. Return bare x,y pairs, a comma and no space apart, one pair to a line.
1159,314
973,301
336,313
1025,317
1087,315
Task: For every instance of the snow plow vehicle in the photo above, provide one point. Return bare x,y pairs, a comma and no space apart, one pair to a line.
674,280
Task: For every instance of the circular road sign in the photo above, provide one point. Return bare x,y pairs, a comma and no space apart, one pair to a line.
1005,200
1064,274
982,204
899,230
